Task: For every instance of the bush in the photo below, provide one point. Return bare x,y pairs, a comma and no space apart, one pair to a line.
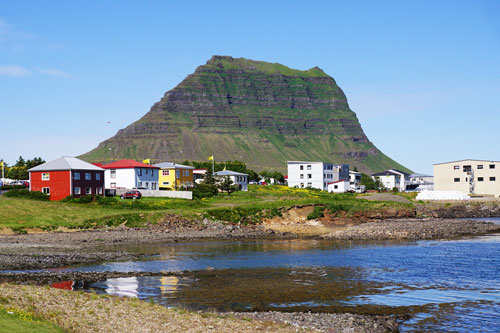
84,199
316,213
107,201
23,193
204,191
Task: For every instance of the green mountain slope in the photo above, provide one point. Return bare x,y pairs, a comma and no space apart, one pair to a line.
261,113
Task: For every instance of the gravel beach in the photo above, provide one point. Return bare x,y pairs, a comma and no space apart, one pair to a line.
414,229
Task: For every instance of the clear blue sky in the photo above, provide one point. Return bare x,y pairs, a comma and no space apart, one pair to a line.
422,76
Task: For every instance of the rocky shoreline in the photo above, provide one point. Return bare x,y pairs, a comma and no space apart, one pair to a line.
58,249
414,229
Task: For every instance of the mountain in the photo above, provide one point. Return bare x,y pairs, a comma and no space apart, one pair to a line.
258,112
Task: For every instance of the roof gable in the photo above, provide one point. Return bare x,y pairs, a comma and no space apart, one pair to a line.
170,165
65,163
229,173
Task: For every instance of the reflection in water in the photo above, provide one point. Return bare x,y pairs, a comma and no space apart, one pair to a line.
449,285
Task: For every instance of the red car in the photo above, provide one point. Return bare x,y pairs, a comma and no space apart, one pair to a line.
131,195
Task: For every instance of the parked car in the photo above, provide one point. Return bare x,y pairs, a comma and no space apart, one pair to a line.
131,195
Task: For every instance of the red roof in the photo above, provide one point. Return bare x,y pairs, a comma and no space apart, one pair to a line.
97,164
127,164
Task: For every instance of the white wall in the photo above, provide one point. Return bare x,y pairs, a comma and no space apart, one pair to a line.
162,194
125,178
316,172
339,187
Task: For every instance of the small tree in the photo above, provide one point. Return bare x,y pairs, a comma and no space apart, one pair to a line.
204,191
370,183
209,178
226,185
253,176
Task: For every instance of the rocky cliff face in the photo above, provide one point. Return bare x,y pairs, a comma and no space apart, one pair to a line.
261,113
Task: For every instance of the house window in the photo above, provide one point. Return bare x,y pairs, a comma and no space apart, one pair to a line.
113,173
480,179
98,176
113,185
76,190
88,176
76,176
456,180
308,167
467,168
139,184
46,190
147,185
302,185
46,176
335,186
309,176
178,173
99,190
456,167
140,171
492,179
480,166
301,176
147,171
492,166
165,172
309,184
88,190
166,183
302,168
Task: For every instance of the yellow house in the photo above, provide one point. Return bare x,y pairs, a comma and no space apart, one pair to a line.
173,175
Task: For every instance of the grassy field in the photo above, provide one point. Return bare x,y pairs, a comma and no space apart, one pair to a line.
260,201
15,320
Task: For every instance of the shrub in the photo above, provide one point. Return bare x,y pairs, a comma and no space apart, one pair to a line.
204,191
84,199
23,193
107,201
316,213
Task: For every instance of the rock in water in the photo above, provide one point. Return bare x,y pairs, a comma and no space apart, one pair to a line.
253,111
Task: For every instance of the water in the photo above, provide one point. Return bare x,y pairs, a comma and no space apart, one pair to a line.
449,285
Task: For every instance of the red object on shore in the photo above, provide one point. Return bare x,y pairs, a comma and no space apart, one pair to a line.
66,285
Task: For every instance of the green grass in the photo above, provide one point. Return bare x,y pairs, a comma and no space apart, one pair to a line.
20,321
259,202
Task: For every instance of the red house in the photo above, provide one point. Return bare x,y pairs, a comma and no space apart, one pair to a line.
67,176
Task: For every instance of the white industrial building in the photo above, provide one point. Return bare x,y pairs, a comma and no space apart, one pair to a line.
304,174
478,177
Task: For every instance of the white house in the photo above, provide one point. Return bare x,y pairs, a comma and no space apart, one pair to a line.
354,178
421,182
239,179
393,178
198,175
315,174
339,186
129,174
